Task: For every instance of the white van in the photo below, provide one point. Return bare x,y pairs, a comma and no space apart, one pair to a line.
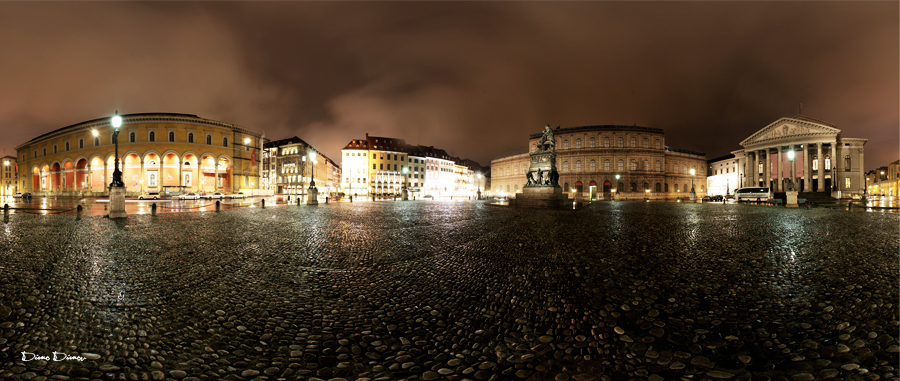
753,194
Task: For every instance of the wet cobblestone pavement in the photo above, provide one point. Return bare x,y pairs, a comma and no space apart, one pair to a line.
453,290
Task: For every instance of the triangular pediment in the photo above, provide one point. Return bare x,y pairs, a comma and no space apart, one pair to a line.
791,128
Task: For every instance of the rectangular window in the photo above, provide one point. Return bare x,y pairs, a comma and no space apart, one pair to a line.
373,156
381,166
373,166
847,183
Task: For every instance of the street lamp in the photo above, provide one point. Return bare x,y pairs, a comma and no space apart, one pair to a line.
693,195
790,155
312,161
117,175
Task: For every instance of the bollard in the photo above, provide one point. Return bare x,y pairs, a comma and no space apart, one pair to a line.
326,199
218,207
78,212
351,198
5,213
263,203
153,209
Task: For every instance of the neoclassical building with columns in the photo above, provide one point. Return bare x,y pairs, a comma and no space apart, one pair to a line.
159,152
824,161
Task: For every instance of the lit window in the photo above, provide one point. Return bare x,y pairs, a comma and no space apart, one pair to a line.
577,143
593,142
578,165
593,165
633,143
606,165
632,165
566,144
621,165
646,143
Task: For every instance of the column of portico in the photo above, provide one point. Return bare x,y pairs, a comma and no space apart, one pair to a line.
778,162
807,167
159,176
104,173
180,175
821,171
862,172
90,179
833,171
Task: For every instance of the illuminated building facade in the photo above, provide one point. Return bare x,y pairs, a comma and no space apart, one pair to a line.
824,160
374,166
289,168
590,157
884,180
9,176
722,176
159,152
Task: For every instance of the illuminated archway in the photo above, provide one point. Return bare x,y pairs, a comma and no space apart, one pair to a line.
68,176
97,176
224,179
81,174
171,170
55,176
131,172
207,173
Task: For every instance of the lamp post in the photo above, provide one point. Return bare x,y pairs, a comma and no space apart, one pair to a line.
693,194
405,192
880,189
313,197
790,155
616,189
117,186
478,196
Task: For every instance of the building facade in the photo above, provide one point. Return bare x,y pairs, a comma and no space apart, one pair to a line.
9,176
824,161
589,159
159,152
722,176
381,167
884,180
289,168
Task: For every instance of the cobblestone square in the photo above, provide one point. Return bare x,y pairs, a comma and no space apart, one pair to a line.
453,290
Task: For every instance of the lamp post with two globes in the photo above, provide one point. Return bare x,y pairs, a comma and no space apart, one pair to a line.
116,186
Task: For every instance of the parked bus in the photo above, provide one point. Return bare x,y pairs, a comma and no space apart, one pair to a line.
753,194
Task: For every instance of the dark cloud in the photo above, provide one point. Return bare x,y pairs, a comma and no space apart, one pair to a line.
473,78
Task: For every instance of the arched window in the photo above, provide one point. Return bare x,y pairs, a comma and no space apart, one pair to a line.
658,187
633,187
171,136
646,186
131,137
577,143
96,141
646,143
566,144
646,165
621,165
507,171
685,187
675,187
577,165
67,148
209,139
632,165
606,165
152,136
593,165
657,166
565,166
667,188
190,137
80,143
685,169
54,148
605,142
621,142
593,143
225,142
632,143
846,159
620,187
657,144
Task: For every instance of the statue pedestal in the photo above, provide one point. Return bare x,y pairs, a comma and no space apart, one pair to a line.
616,196
537,196
836,194
693,197
791,201
313,196
117,202
405,195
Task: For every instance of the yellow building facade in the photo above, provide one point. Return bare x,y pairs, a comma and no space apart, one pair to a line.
158,152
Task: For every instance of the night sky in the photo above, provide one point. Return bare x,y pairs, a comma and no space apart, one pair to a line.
472,78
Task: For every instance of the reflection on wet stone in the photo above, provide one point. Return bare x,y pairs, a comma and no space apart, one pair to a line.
434,290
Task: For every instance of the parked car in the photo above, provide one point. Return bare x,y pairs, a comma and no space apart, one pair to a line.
26,196
189,196
149,196
238,195
17,195
216,195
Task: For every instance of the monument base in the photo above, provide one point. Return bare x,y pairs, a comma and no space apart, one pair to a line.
117,202
405,195
791,201
313,196
550,197
693,197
